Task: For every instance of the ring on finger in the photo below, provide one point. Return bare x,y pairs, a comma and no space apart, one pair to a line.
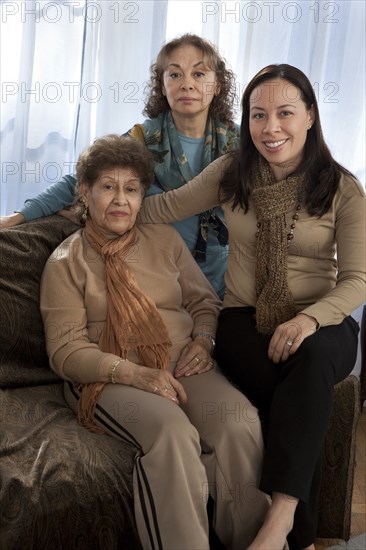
169,387
289,343
156,389
196,359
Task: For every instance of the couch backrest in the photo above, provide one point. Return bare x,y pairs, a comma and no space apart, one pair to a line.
23,252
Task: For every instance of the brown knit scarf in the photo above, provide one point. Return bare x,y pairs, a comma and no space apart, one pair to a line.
133,321
272,200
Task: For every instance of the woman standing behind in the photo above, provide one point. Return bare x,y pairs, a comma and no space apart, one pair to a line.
190,124
296,272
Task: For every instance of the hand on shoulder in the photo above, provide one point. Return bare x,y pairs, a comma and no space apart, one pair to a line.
69,214
11,220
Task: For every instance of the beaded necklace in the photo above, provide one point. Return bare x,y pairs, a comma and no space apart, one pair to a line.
290,234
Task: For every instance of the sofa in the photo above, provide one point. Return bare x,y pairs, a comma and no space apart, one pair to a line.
62,487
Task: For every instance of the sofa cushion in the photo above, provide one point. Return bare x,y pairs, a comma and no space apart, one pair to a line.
61,487
23,252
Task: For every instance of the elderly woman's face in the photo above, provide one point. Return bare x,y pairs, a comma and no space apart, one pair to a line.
114,200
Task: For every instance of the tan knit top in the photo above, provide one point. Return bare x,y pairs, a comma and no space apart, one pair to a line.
326,259
74,299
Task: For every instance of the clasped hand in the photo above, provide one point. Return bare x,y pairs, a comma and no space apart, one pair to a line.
158,381
194,359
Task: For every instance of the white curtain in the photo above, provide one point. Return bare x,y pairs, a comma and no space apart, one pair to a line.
72,70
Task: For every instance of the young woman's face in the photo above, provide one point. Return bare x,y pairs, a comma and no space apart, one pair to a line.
188,84
114,200
278,123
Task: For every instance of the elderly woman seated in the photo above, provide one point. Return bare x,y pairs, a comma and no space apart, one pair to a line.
130,323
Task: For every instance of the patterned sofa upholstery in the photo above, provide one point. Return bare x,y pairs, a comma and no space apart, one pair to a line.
63,487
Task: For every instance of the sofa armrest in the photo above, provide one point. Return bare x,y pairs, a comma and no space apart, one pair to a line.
339,461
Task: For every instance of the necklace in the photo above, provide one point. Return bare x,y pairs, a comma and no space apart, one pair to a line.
290,234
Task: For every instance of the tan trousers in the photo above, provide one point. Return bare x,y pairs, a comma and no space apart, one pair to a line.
213,445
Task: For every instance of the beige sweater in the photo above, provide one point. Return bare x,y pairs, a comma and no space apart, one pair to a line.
326,261
74,304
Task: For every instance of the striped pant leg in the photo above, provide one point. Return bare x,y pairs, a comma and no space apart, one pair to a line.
169,477
232,445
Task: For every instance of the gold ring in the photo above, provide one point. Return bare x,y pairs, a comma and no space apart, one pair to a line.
156,389
196,359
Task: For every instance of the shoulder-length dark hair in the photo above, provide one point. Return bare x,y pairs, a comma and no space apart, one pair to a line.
221,106
322,171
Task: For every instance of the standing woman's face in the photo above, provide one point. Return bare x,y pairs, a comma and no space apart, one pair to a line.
278,123
188,83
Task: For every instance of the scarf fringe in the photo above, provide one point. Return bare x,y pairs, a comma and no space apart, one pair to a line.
89,395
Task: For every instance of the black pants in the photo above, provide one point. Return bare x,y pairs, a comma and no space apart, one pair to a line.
294,401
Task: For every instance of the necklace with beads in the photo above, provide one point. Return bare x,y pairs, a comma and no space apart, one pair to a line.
290,234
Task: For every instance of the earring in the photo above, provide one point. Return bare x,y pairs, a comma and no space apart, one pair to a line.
310,125
84,215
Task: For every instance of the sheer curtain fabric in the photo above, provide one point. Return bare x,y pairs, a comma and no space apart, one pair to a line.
75,70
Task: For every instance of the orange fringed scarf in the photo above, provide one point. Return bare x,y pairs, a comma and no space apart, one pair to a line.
133,321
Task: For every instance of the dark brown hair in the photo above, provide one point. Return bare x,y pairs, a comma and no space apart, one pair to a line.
221,106
115,151
322,171
112,151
